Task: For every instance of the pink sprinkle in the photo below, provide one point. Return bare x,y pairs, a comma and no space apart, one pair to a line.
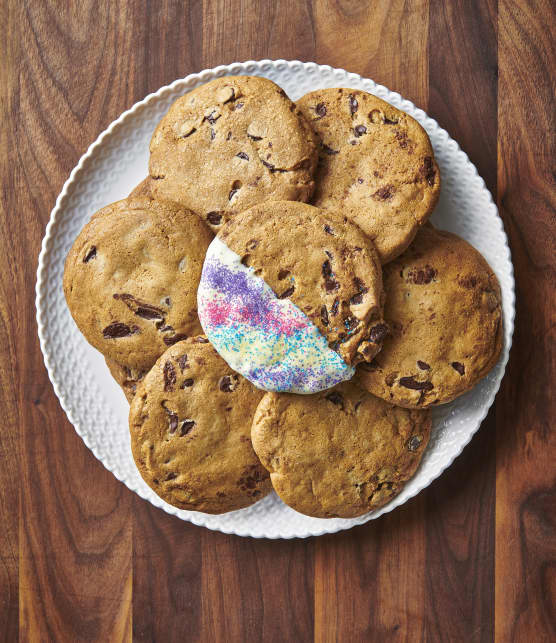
217,313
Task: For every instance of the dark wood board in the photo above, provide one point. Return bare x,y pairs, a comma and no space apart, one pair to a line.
473,557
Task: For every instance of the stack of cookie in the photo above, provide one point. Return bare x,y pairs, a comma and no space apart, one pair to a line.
274,304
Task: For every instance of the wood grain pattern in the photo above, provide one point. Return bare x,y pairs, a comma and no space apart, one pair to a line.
386,41
369,563
526,442
370,584
167,565
250,30
228,573
75,522
472,558
460,517
256,590
9,337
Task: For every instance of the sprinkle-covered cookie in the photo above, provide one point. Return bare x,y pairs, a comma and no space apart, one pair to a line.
229,144
131,279
376,165
190,431
291,297
443,305
339,453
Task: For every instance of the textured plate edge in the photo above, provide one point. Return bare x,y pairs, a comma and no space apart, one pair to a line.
235,68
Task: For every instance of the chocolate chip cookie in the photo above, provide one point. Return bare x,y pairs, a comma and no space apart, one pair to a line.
376,165
322,263
190,427
443,306
127,378
338,453
131,279
229,144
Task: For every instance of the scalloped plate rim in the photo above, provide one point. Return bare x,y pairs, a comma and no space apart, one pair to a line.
197,518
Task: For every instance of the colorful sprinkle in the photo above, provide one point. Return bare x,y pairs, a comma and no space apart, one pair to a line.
270,341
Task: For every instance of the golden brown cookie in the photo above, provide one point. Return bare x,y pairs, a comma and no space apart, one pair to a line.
443,304
376,165
338,453
190,427
127,378
142,189
234,142
131,279
320,261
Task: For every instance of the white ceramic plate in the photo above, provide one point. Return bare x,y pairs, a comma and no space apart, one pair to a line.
114,164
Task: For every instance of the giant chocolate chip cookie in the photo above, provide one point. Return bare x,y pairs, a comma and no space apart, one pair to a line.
338,453
444,309
131,279
229,144
376,165
190,426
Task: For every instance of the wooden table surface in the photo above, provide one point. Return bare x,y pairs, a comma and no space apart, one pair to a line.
472,558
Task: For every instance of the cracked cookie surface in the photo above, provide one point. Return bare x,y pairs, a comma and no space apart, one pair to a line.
338,453
229,144
131,279
443,305
320,261
376,165
190,427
